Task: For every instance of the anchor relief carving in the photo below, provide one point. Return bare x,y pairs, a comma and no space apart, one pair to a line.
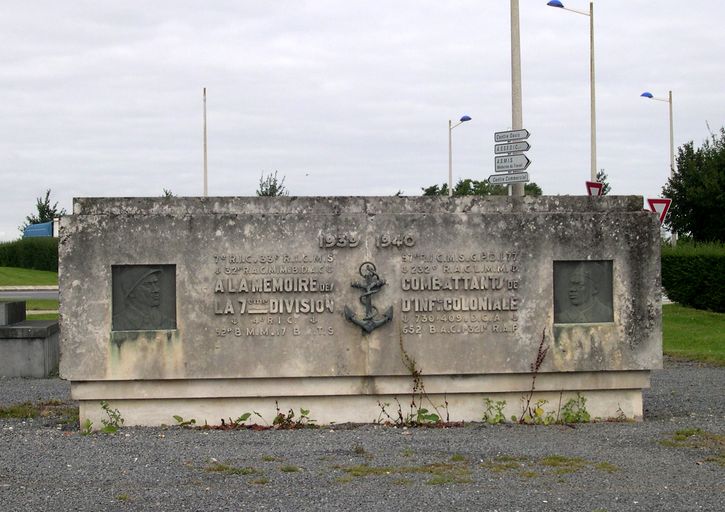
371,284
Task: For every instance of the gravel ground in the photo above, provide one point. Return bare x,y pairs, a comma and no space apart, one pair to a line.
602,466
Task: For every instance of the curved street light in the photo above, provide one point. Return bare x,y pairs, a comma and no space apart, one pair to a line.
450,151
593,115
651,96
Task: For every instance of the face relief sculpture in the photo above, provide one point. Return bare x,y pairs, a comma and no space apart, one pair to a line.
583,303
141,300
580,296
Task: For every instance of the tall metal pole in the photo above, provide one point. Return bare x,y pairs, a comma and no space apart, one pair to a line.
450,159
672,140
592,93
672,159
517,123
206,188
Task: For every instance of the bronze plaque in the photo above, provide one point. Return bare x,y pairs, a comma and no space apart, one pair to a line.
144,297
583,292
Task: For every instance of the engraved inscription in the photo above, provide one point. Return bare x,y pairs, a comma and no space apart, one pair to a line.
330,240
582,292
143,297
395,240
460,293
273,295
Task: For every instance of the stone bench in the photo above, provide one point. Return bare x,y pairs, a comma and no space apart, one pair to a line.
28,348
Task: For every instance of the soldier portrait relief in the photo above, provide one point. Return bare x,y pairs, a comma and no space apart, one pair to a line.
582,292
144,297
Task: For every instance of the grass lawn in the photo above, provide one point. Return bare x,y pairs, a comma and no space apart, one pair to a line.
11,276
44,316
693,334
41,305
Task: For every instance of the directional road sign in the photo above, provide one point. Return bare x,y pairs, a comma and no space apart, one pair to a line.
507,163
503,179
660,207
594,188
511,147
511,135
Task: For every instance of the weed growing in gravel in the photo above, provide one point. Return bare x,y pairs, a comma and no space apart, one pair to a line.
563,465
606,466
287,421
440,473
122,497
696,438
270,458
261,481
26,410
87,427
181,422
493,413
575,410
504,463
62,412
289,469
457,457
240,422
114,421
227,469
551,464
536,414
417,415
535,367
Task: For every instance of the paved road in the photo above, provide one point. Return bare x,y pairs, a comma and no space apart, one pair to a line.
27,295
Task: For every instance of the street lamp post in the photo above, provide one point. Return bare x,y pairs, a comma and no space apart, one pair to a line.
650,96
450,151
557,3
517,116
672,132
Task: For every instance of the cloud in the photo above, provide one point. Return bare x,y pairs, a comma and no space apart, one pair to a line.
104,99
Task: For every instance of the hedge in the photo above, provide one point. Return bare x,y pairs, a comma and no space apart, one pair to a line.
694,275
37,253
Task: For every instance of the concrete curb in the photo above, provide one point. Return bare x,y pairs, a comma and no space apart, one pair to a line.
29,288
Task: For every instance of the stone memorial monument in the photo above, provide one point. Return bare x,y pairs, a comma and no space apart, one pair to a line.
206,308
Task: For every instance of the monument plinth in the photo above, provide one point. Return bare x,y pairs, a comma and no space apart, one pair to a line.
209,307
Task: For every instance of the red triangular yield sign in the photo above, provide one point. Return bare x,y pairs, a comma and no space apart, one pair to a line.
594,188
660,207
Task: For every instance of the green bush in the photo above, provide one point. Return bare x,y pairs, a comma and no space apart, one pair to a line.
694,275
37,253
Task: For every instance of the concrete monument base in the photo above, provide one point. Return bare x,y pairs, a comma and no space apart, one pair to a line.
208,308
356,399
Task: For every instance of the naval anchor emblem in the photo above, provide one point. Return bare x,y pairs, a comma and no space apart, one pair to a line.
371,284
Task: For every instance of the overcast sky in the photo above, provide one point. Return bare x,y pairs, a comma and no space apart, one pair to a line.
340,97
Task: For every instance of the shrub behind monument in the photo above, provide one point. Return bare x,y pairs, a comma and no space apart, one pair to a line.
34,253
694,275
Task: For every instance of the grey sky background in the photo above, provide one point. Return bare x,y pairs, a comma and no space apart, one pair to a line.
341,98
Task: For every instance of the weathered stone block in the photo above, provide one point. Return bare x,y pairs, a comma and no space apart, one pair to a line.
12,312
292,288
29,349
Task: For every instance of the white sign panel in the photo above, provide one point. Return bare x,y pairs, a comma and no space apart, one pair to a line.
511,147
504,179
511,163
511,135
